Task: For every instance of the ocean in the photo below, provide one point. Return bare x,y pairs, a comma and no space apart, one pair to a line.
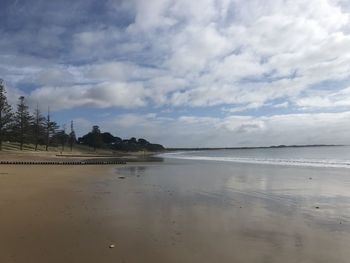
325,156
253,205
247,205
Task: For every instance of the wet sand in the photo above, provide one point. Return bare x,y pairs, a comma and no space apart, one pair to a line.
176,211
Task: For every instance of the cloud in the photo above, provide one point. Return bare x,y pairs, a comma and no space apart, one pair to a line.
209,54
103,95
282,105
326,99
224,52
55,76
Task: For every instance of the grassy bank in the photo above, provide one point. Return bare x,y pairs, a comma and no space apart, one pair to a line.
14,147
11,152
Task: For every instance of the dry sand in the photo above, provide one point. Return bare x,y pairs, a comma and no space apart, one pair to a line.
67,214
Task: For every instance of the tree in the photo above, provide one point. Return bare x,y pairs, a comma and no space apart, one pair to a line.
143,142
72,136
5,113
22,122
63,136
108,139
96,140
60,137
93,138
50,129
38,127
133,140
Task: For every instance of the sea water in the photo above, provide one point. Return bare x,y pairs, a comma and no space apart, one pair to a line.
321,156
245,205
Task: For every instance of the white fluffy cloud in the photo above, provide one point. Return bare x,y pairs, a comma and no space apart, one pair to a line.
217,52
326,99
104,95
238,55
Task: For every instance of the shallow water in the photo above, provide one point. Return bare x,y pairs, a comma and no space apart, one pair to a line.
175,211
231,212
325,156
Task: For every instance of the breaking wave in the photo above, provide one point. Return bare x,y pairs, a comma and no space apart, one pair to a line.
273,161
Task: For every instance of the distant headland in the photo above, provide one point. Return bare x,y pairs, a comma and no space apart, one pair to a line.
257,147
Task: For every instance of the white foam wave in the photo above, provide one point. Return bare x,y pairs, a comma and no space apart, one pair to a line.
292,162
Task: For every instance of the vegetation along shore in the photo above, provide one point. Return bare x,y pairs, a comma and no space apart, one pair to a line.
26,131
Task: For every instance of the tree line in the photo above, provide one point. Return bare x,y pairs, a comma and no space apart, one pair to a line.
22,126
97,139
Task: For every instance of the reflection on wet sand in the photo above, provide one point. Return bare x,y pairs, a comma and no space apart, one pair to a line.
249,213
176,211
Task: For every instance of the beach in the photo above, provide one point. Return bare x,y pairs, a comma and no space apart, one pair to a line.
174,211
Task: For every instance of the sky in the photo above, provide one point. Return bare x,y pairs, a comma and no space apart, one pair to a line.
204,73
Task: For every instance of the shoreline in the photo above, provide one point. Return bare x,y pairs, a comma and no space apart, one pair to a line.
175,211
52,158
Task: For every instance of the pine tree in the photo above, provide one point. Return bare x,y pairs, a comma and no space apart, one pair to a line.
72,136
38,127
51,128
63,136
22,122
5,113
47,126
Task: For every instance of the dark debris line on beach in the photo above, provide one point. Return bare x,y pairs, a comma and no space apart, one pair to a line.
87,162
